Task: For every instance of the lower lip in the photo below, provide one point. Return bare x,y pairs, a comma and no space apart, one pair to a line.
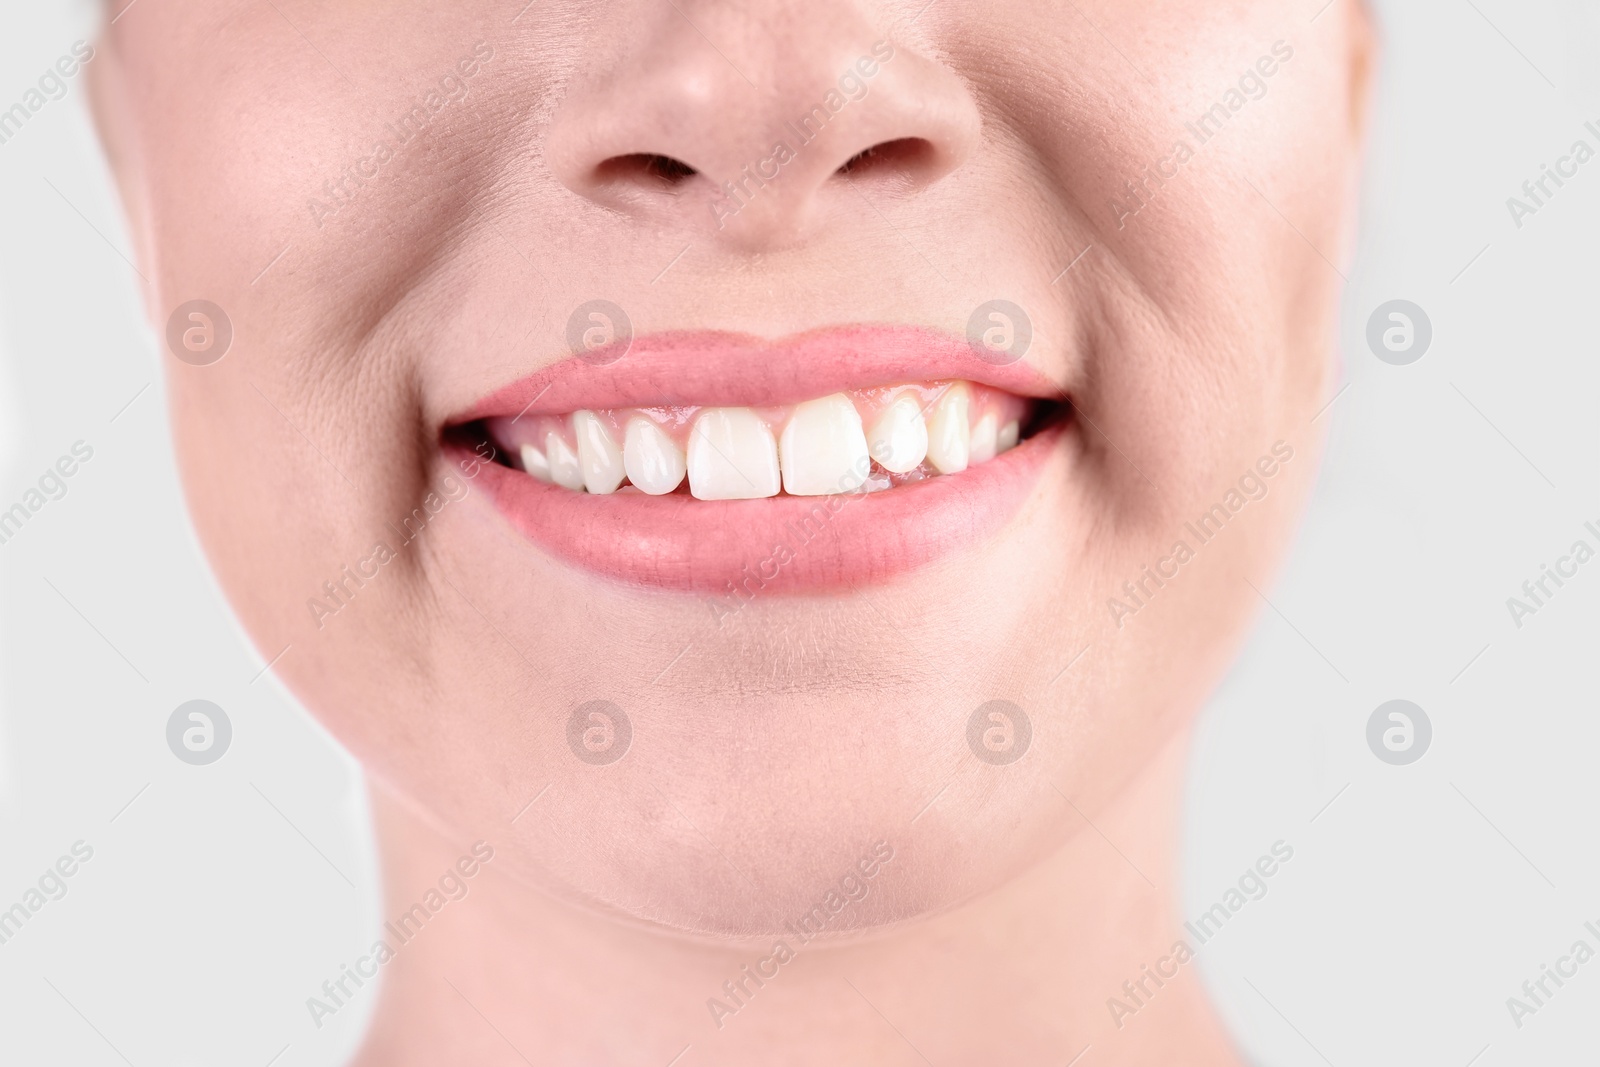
780,543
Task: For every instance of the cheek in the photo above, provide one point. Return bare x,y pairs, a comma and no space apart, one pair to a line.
289,178
285,501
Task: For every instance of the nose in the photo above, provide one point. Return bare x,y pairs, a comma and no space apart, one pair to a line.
756,122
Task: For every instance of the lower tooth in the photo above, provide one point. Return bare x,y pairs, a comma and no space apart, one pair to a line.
565,470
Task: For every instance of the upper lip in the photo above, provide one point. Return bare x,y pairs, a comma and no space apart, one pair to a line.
721,369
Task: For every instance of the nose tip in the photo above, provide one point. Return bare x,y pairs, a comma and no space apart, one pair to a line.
675,132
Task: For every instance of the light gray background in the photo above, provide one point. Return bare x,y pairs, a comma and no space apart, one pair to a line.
1418,900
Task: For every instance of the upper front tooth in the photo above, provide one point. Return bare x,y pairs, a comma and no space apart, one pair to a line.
599,458
823,448
732,456
949,432
534,463
564,466
900,436
654,462
985,439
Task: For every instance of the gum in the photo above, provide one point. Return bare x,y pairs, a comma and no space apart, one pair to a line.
511,433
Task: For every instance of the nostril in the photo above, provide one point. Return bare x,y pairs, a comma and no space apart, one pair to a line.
644,168
906,156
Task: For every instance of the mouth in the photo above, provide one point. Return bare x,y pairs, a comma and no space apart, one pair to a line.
723,463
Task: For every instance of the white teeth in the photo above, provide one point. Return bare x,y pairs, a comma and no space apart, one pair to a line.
823,448
599,458
948,431
655,464
732,456
985,439
564,467
1010,434
732,453
900,436
534,463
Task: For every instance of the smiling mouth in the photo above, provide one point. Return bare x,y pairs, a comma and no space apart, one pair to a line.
862,440
718,462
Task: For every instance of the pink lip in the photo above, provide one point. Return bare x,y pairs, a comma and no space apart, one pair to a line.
723,369
738,548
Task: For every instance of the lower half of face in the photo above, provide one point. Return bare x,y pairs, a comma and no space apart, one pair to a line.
694,538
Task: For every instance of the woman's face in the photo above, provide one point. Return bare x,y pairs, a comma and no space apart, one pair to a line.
406,213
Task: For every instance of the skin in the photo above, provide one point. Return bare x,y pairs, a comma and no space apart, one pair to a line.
771,751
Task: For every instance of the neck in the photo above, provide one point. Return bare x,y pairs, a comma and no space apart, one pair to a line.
1061,958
